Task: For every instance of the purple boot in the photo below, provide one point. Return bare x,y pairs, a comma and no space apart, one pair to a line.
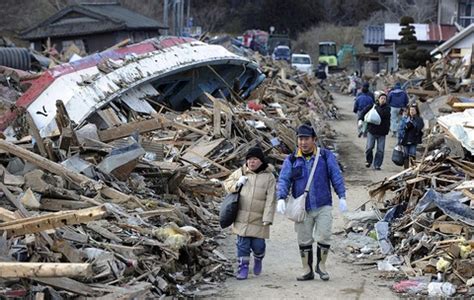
257,266
243,271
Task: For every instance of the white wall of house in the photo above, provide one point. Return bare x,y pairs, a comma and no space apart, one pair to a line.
465,43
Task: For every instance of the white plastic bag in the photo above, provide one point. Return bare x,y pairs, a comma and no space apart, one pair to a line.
373,116
296,208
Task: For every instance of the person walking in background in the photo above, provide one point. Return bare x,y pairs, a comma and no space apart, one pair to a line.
354,83
362,101
366,87
377,133
411,132
322,70
317,224
397,99
256,209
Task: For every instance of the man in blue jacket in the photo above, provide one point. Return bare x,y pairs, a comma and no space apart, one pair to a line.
294,175
397,99
362,101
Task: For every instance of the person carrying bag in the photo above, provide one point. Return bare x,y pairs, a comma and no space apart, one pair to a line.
256,209
296,207
296,170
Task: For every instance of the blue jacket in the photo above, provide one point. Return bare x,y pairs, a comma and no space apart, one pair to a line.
295,176
398,98
362,101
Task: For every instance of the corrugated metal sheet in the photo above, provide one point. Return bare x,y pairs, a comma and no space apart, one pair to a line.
135,98
441,32
17,58
374,36
423,32
392,30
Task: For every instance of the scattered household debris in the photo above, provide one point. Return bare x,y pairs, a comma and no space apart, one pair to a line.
111,166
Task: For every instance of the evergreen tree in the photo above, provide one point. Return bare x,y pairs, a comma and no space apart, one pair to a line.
410,57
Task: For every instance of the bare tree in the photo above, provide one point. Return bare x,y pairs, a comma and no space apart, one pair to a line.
422,11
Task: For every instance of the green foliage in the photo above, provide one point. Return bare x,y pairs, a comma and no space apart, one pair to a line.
410,57
406,20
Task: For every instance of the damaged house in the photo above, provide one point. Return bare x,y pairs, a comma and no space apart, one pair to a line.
92,28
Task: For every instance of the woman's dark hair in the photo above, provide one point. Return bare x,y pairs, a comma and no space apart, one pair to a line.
416,108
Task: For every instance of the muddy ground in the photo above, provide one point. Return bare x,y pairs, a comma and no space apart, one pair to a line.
282,262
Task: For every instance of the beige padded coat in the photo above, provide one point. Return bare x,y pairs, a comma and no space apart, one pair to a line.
256,204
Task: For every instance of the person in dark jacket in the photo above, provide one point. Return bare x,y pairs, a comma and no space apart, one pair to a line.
366,87
322,70
377,133
363,100
397,99
410,133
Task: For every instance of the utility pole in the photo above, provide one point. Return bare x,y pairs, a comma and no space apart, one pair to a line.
188,13
181,15
165,15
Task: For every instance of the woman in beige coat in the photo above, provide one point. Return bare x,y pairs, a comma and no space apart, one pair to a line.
256,209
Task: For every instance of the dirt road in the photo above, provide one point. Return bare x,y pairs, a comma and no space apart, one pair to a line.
282,262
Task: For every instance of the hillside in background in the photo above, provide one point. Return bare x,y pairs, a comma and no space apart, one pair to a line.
235,16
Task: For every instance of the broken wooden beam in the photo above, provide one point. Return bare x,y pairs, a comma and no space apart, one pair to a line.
127,129
6,215
463,105
28,270
423,93
51,221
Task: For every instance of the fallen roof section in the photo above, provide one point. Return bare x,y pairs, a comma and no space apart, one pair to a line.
176,74
461,127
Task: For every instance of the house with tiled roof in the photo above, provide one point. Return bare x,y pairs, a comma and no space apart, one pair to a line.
92,27
384,42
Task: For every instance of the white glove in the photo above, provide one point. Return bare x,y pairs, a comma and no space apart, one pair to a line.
342,205
281,206
242,180
360,123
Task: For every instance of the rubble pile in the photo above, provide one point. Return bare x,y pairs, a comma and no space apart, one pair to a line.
420,228
446,76
125,203
429,222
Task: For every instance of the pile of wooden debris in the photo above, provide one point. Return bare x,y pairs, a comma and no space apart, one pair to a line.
125,204
423,223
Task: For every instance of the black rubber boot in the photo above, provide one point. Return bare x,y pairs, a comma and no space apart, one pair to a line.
321,257
306,253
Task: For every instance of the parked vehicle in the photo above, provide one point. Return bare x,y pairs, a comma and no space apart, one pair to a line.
302,62
275,40
328,53
345,57
282,53
256,40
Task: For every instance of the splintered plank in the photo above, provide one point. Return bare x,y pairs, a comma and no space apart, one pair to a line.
67,284
127,129
27,270
423,93
6,215
465,105
52,221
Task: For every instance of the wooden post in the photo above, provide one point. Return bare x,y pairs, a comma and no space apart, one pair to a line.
27,270
217,119
35,134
